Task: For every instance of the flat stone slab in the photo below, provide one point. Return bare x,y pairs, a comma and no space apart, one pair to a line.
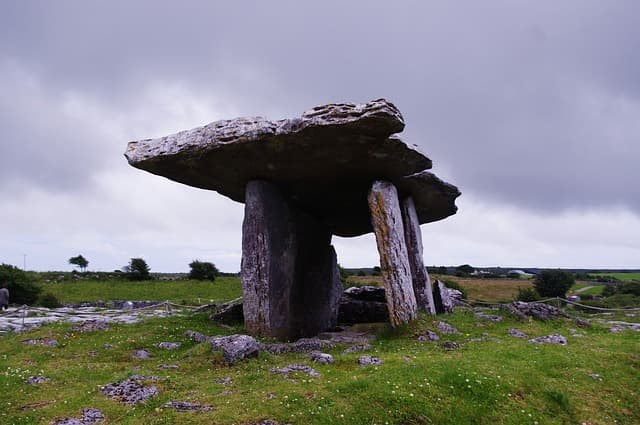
324,161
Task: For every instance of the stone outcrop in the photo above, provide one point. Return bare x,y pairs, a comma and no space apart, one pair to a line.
235,347
394,261
365,304
338,169
538,311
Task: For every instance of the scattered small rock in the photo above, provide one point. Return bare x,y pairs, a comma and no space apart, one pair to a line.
38,379
185,406
449,345
549,339
236,347
108,346
322,358
370,361
169,345
90,326
132,390
285,371
267,422
41,341
196,336
428,336
168,366
446,328
517,333
141,354
358,348
490,317
224,381
581,323
90,416
303,345
538,311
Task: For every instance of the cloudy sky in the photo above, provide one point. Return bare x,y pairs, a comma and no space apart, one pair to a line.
532,108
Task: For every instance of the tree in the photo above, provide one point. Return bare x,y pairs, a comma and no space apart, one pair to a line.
21,289
464,270
377,271
79,261
137,269
553,283
203,270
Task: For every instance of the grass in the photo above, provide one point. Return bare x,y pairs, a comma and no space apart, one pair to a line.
183,291
501,381
625,276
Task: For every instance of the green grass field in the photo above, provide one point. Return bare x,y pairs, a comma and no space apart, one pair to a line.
621,276
181,291
501,380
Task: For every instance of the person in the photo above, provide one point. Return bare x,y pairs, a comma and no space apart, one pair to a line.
4,297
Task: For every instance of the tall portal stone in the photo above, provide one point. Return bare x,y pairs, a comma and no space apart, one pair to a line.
394,263
290,279
413,238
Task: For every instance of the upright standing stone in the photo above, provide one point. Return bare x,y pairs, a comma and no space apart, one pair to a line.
421,282
394,263
290,281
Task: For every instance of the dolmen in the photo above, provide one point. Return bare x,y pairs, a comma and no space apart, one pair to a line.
339,169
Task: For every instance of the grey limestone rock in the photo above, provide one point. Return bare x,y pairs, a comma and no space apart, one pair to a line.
132,390
422,287
428,336
394,261
322,358
290,278
365,293
287,370
490,317
352,143
186,406
358,348
538,311
196,336
517,333
369,361
91,326
445,299
449,345
550,339
169,345
90,416
235,347
446,328
303,345
38,379
141,354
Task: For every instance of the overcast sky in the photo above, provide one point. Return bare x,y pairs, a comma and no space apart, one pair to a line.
532,108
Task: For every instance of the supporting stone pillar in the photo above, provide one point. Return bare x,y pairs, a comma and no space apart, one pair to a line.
387,224
421,282
290,280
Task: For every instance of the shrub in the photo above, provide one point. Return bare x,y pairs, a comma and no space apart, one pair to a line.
21,288
137,270
553,283
527,295
49,300
203,270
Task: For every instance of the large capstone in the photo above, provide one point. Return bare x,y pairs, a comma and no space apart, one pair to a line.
324,161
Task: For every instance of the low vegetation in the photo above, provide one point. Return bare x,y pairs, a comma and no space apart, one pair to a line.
492,378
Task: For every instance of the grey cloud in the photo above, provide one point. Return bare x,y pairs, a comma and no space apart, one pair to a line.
527,103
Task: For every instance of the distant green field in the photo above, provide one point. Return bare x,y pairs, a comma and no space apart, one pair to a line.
181,291
621,276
